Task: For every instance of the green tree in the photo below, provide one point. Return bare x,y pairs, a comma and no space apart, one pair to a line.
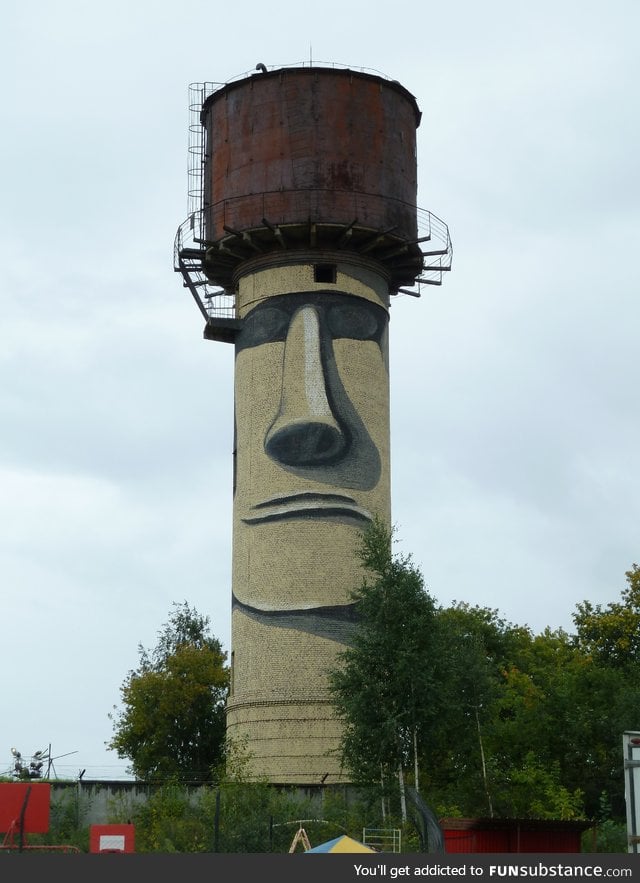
559,711
382,687
172,722
474,644
612,634
499,721
499,748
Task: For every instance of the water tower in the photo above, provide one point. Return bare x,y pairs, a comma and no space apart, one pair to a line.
302,227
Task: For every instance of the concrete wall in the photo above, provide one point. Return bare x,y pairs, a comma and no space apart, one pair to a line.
104,803
99,803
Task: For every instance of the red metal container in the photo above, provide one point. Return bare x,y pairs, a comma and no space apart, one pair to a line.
512,835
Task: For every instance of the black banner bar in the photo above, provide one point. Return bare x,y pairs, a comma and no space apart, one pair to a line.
318,868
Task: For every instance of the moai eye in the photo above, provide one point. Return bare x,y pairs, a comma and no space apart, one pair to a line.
356,321
263,325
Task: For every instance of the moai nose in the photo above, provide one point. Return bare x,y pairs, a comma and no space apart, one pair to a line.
306,431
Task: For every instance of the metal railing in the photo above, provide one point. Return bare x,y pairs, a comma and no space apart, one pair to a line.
383,839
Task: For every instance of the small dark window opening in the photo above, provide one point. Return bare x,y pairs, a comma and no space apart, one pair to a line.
325,273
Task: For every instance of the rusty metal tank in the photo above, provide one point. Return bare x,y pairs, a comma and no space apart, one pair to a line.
294,148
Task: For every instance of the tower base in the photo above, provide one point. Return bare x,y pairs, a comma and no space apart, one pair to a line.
280,717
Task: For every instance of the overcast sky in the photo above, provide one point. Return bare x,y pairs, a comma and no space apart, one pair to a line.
514,387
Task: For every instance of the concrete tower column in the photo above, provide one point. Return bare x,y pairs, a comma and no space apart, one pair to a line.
312,468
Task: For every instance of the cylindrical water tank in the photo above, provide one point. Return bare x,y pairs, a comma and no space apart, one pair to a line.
311,145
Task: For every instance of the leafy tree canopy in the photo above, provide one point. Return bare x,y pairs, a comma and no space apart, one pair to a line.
498,721
612,634
172,721
382,687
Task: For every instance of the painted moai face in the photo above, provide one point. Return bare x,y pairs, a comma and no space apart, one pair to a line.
312,447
